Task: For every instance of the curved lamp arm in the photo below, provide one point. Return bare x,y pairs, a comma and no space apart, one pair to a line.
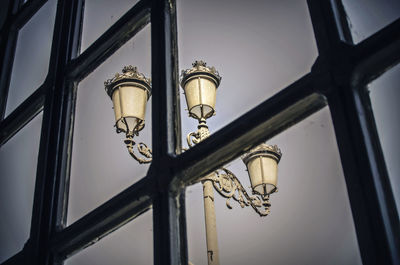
228,186
142,149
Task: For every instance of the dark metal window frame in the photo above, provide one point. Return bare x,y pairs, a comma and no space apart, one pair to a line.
338,78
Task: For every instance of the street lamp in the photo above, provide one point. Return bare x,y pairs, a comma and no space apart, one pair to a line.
130,92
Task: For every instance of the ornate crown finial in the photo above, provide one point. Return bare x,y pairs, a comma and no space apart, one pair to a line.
200,68
129,74
129,68
197,64
270,150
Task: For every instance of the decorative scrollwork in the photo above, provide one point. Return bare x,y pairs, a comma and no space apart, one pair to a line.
193,138
142,149
228,186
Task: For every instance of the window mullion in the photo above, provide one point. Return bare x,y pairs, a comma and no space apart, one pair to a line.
168,213
165,83
51,179
370,194
330,25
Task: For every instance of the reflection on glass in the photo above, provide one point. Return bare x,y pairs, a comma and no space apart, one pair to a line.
130,92
385,95
130,244
32,54
367,17
258,49
101,167
18,161
99,15
310,220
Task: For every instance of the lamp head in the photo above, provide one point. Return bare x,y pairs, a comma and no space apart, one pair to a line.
129,92
262,166
200,85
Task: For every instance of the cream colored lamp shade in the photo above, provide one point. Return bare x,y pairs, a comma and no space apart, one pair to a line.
129,92
262,166
200,85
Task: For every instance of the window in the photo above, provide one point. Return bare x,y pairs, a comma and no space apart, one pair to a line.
338,78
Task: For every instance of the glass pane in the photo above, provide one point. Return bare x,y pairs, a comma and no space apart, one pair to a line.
385,95
18,162
130,244
101,166
31,62
310,220
367,17
258,49
99,15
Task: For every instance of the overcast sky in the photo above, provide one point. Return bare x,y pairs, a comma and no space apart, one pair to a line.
259,48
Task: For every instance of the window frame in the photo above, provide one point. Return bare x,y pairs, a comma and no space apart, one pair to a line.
338,78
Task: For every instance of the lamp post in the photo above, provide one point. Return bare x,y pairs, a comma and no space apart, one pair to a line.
130,92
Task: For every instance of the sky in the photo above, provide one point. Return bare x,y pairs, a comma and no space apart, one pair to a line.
258,48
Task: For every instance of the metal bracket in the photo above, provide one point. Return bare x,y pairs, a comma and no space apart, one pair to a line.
229,186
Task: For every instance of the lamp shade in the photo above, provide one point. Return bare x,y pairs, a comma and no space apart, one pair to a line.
262,166
129,92
200,84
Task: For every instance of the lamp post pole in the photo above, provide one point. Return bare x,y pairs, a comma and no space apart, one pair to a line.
209,208
210,221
